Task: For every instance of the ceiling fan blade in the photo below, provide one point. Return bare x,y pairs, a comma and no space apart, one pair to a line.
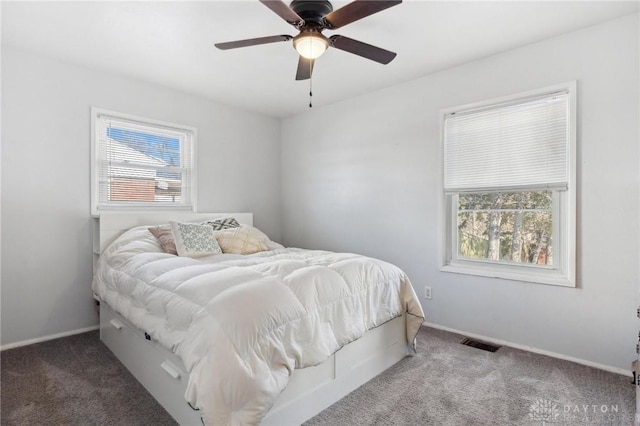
305,68
362,49
355,10
252,42
282,10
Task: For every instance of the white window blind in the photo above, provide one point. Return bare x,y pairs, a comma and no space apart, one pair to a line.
521,144
142,164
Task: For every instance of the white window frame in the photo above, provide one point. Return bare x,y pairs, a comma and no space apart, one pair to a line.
97,206
563,273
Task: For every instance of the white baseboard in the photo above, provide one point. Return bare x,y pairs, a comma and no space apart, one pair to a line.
533,350
45,338
425,324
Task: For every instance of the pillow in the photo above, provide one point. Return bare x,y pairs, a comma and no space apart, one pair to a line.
225,223
272,245
244,239
194,240
165,237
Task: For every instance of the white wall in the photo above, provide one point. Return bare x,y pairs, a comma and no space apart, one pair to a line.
365,180
368,180
46,232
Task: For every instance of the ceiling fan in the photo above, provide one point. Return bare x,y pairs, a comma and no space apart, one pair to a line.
310,18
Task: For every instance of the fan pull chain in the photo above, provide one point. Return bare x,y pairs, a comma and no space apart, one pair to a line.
310,86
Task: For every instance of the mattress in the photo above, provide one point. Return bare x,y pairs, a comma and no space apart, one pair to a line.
242,323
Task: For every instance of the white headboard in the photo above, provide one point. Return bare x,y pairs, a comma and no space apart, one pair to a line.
108,226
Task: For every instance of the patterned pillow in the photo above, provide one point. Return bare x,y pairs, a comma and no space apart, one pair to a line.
194,240
165,237
226,223
244,239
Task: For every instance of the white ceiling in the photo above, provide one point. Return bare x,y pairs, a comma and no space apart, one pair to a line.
171,43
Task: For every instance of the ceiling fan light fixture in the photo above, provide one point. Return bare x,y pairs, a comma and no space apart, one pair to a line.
310,45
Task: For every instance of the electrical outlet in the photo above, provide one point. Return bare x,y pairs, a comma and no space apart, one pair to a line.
427,292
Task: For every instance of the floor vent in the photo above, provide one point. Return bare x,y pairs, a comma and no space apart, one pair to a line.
480,345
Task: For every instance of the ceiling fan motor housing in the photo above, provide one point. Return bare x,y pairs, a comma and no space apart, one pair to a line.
312,11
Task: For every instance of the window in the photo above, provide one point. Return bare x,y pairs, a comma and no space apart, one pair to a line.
509,187
141,164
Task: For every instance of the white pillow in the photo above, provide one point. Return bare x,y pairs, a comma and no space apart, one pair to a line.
244,239
194,240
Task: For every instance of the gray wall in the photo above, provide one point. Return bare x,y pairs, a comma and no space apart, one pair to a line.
369,180
46,225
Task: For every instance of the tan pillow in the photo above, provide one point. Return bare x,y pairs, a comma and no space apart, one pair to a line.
244,239
165,237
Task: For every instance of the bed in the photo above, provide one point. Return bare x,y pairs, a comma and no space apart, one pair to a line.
198,335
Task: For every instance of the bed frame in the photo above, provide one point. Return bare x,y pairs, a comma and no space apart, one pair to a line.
309,391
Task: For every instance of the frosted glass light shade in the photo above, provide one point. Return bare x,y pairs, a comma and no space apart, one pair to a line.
310,45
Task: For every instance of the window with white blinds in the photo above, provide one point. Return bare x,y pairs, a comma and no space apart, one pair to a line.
141,163
509,187
520,144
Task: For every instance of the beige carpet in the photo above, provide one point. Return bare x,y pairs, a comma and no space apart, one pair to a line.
451,384
77,381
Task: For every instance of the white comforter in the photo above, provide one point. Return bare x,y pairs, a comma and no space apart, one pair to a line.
241,324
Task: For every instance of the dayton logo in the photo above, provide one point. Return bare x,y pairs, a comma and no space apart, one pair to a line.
544,411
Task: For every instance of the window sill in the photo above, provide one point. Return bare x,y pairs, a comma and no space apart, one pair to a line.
507,272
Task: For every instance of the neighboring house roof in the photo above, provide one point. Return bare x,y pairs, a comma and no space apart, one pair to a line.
120,153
